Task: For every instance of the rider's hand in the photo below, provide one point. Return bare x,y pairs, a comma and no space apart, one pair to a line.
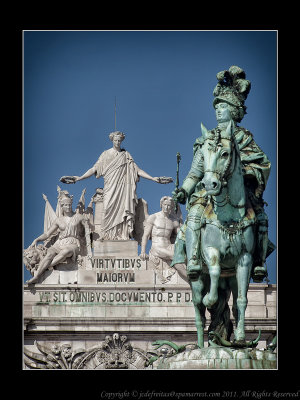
179,195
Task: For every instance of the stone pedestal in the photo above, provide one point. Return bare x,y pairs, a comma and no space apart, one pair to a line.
84,314
119,294
124,248
61,274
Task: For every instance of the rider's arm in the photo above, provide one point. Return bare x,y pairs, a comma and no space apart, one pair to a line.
194,176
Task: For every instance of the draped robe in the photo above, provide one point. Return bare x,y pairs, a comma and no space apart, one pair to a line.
120,175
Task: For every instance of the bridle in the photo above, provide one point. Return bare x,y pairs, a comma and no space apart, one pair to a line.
227,173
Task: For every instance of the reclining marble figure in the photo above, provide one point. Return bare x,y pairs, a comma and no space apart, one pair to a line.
70,227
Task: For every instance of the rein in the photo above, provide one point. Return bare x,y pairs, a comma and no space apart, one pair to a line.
227,201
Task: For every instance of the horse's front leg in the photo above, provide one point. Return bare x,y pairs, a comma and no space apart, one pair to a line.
212,258
243,277
197,285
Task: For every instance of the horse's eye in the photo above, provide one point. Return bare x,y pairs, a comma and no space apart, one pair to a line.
225,154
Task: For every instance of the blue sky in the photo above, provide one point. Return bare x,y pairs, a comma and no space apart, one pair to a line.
163,82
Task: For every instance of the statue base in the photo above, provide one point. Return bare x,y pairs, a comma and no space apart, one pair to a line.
63,274
128,248
130,303
218,358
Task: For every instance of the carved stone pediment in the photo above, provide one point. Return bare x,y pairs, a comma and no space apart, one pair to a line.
115,352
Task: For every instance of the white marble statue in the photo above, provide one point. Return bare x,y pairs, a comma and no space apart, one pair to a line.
70,228
121,175
160,227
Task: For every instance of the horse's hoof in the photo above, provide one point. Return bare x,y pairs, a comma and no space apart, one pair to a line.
193,271
208,301
193,268
259,274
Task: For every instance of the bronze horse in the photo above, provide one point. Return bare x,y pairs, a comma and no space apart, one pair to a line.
227,238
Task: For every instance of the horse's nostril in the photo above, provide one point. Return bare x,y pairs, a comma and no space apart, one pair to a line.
214,184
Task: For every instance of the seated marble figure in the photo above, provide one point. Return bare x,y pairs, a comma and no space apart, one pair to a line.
69,228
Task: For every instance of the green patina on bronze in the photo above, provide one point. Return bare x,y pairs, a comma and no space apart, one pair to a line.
226,355
224,240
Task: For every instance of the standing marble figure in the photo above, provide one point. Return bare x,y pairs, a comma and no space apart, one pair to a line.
121,175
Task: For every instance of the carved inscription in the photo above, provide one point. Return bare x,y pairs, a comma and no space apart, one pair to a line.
119,277
116,263
128,297
115,270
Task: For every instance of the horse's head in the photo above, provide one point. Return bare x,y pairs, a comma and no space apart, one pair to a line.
218,151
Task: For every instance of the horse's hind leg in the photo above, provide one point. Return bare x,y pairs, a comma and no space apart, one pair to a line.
197,288
243,278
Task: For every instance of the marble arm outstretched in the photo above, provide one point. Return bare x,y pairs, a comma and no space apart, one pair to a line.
86,175
144,174
45,235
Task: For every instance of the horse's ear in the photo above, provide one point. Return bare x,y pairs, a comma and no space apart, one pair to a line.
230,129
204,131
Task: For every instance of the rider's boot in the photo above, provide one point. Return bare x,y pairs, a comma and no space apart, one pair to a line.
259,272
192,236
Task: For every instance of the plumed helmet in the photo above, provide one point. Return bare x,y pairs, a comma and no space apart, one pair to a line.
232,88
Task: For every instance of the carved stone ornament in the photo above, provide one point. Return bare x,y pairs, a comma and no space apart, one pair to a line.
98,196
57,356
115,352
33,256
